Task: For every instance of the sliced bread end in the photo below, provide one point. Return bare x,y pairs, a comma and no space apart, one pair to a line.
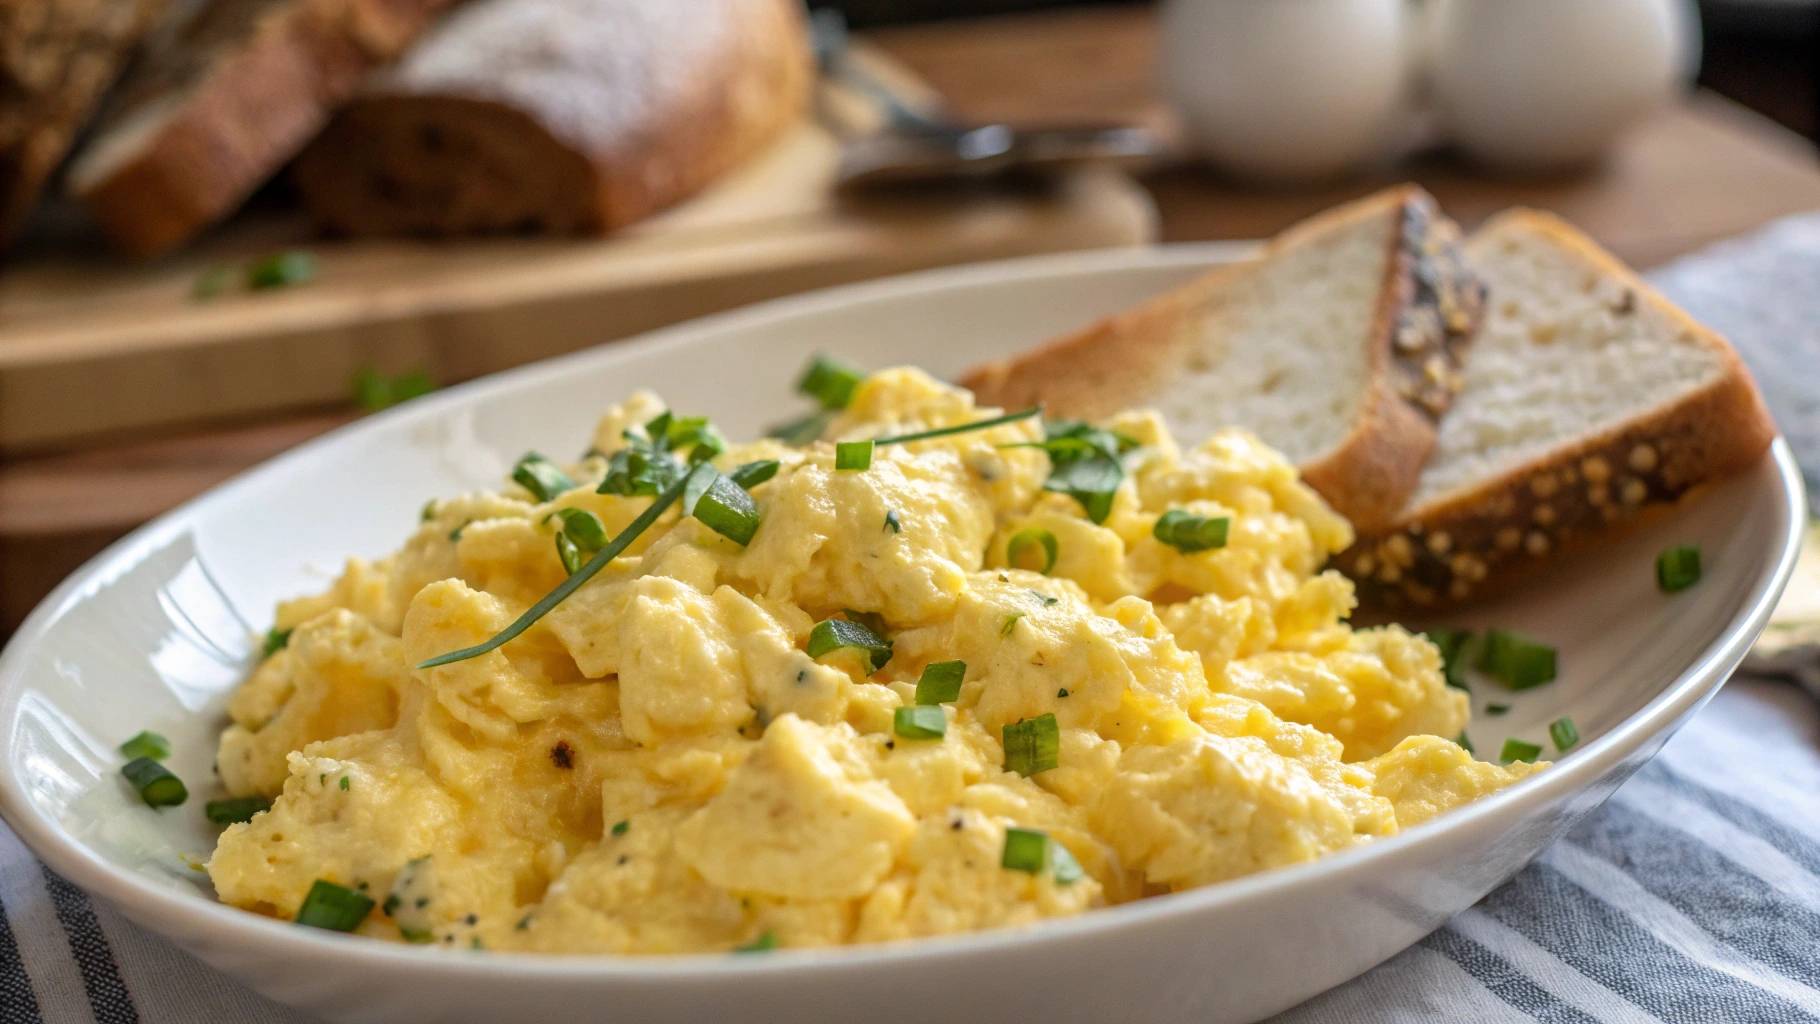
1340,344
1482,519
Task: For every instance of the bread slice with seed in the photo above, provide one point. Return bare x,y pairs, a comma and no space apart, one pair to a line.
560,116
1340,345
221,101
1590,404
57,57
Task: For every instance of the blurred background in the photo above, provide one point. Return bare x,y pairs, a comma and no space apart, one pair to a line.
208,261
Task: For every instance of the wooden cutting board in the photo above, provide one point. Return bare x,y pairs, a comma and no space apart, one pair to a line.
92,348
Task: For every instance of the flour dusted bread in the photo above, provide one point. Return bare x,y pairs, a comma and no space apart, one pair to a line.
559,116
1340,346
222,101
1590,402
56,59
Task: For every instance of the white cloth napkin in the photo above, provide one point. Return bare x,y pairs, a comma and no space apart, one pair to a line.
1691,897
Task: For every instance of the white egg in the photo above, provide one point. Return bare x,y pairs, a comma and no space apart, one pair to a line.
1542,84
1293,89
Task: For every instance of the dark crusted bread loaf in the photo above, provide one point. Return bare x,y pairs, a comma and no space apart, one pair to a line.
1340,346
217,106
559,116
57,58
1590,404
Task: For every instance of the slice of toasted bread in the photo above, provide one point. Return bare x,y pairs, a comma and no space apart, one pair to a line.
1340,346
1589,404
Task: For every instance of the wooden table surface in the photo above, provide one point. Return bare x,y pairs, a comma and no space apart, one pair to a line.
1699,172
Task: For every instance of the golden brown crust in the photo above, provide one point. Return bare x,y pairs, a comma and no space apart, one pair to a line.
1476,541
519,159
1429,307
257,104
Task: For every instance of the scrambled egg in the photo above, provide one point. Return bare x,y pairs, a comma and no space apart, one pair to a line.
658,765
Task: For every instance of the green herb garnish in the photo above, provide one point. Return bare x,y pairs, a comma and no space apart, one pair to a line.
803,431
648,463
751,474
282,270
1678,568
275,640
344,783
1032,745
720,504
962,428
147,744
543,478
1034,852
940,682
764,943
234,811
1454,645
1496,709
1188,533
921,722
619,829
853,455
1008,624
579,534
569,586
1085,463
155,783
1518,750
1465,743
374,390
1515,660
893,523
1035,536
1562,731
334,907
833,634
830,382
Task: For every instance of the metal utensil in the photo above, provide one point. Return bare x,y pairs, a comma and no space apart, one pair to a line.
919,143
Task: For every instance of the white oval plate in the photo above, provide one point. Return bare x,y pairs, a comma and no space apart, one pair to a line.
157,630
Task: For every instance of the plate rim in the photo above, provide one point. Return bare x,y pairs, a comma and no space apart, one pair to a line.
198,916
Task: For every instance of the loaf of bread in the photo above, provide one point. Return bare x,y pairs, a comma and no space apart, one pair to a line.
559,116
217,106
57,58
1590,404
1340,346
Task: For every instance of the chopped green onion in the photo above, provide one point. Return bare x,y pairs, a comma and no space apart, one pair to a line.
751,474
582,527
1033,745
1517,750
1515,660
1678,568
1456,650
920,722
335,907
799,432
833,634
147,744
1062,865
1026,850
571,556
853,455
940,682
230,812
1562,731
1034,535
282,270
1008,624
830,382
1063,692
1188,533
696,433
344,783
1465,742
155,783
962,428
871,620
620,828
429,511
1496,709
893,523
543,478
275,640
763,944
722,505
374,391
569,586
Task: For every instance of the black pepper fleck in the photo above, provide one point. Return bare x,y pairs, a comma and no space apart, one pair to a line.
562,755
472,919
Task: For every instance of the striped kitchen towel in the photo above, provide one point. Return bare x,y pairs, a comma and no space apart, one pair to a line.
1691,897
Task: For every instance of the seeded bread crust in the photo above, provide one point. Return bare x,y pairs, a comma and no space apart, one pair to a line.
57,57
559,116
215,109
1430,306
1477,540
